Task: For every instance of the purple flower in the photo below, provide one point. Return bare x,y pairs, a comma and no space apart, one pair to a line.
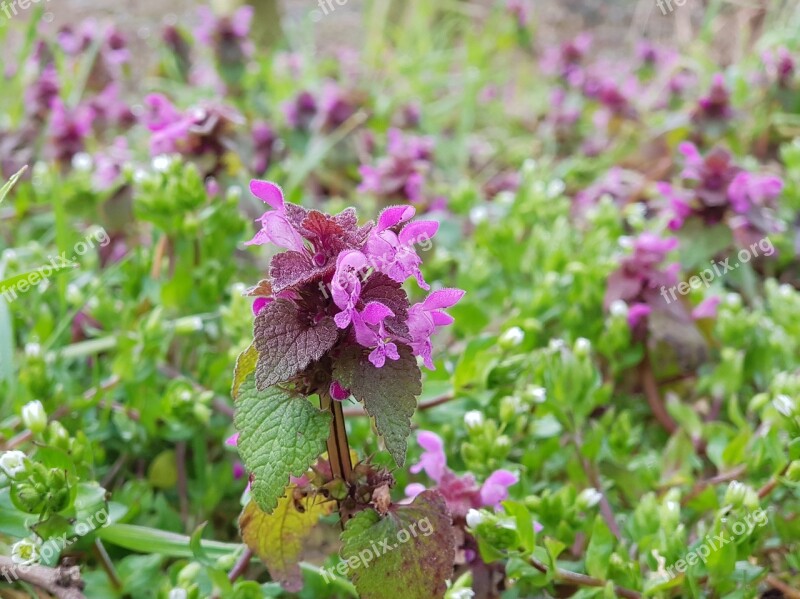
301,111
424,317
108,164
461,493
264,146
400,174
520,10
495,488
346,285
227,36
40,95
370,329
433,460
716,106
640,275
707,308
68,130
275,227
781,66
338,392
749,190
565,60
335,106
110,110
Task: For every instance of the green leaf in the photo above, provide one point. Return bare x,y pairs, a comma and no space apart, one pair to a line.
281,435
389,394
196,545
524,524
278,538
11,182
600,548
412,546
245,366
33,277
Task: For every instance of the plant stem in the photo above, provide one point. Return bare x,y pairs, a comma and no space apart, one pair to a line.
63,583
338,447
584,580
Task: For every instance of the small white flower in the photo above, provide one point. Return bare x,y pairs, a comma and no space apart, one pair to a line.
24,552
583,346
556,345
161,163
626,242
786,290
33,350
539,394
34,417
178,593
462,594
478,214
590,497
618,308
12,462
785,405
734,300
555,188
473,419
82,162
512,337
474,518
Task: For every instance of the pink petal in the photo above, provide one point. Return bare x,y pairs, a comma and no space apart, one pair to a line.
417,231
414,489
375,312
268,193
260,303
495,488
394,215
707,308
233,440
441,319
443,298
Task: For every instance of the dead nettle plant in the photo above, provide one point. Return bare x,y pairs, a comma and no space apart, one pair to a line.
332,321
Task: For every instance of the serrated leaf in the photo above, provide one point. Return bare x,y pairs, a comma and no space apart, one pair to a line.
278,538
280,435
245,366
412,546
286,342
389,394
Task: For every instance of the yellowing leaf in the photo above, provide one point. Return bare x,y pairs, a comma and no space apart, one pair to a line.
278,538
245,365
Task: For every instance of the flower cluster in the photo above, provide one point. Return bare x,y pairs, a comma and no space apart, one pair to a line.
200,132
462,493
714,188
640,275
400,174
344,281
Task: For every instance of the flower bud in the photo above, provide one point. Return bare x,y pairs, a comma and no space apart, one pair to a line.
793,473
473,420
475,518
34,417
511,338
588,498
583,347
785,405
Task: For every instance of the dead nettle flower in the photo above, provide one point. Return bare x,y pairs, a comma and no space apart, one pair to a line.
781,66
178,46
566,61
110,110
113,53
228,36
339,286
640,276
714,188
716,105
462,493
40,94
265,145
202,132
400,175
300,111
67,131
108,164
